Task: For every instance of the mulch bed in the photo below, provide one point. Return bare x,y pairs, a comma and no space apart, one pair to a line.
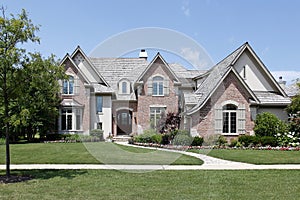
14,179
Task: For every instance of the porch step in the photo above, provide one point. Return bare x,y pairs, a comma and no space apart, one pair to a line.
122,138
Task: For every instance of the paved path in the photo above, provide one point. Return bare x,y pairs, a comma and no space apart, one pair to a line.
210,163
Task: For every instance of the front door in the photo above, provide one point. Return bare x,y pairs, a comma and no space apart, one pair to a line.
124,122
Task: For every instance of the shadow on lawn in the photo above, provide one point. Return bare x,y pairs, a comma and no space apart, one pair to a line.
26,175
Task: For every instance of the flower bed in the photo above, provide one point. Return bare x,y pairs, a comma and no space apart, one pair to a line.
184,148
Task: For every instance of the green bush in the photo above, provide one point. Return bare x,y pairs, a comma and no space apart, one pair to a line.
149,136
72,138
221,141
183,140
197,141
89,138
248,140
268,140
233,143
268,124
157,138
97,133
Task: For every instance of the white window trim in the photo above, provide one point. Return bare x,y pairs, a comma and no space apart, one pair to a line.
158,83
68,86
74,119
128,86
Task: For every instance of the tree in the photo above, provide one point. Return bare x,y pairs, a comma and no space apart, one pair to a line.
35,110
294,111
294,107
14,31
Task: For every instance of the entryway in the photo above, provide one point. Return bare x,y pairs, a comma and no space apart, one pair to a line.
124,122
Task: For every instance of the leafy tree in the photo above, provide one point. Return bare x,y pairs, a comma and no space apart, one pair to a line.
268,124
35,109
14,31
294,111
294,107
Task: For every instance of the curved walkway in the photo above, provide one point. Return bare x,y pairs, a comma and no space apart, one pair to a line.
210,163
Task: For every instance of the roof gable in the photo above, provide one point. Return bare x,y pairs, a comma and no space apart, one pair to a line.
68,62
220,71
259,77
158,59
87,67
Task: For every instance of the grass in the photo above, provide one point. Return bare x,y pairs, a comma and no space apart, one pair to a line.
91,153
110,184
255,156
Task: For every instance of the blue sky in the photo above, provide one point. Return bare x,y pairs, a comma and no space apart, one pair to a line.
220,26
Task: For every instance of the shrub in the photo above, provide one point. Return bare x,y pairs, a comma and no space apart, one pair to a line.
267,124
221,141
157,138
183,140
197,141
248,140
149,136
89,138
268,140
233,143
72,138
97,133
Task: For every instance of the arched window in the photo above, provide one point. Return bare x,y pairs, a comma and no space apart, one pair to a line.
124,87
229,118
158,86
68,86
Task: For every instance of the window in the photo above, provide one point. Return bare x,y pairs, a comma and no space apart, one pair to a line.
78,119
99,104
124,87
71,119
155,115
68,86
245,71
158,86
99,125
229,118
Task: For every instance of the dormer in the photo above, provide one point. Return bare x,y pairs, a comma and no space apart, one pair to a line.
124,86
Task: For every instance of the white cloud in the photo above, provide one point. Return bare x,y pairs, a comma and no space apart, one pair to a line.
186,8
193,56
288,76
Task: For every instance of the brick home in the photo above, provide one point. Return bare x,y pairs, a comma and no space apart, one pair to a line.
125,96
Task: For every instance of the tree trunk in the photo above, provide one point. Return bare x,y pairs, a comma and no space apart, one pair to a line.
7,150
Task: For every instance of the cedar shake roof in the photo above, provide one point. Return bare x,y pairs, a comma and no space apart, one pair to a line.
271,98
184,75
214,77
114,70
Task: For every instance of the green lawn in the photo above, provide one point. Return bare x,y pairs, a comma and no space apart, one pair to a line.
90,153
110,184
255,156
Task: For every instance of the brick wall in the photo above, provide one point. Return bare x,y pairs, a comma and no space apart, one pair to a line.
81,96
145,101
